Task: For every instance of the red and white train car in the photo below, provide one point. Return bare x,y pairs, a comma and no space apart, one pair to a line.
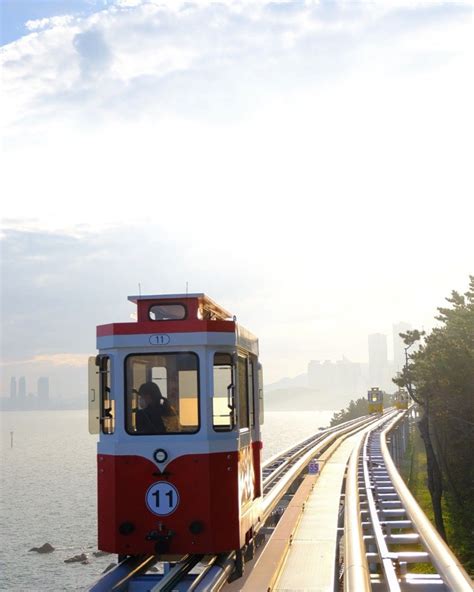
177,400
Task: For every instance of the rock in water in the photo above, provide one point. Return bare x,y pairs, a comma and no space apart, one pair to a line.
46,548
100,553
76,559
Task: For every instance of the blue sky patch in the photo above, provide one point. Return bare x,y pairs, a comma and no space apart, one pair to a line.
15,13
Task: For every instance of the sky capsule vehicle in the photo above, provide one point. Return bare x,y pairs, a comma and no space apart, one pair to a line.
401,399
375,398
177,400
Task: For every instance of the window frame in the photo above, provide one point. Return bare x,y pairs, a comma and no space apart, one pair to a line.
104,365
260,394
186,312
245,357
125,391
251,364
232,419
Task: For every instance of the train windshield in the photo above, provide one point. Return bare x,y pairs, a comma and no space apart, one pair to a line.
162,393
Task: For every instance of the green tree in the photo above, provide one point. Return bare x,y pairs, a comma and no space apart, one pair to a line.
355,409
440,377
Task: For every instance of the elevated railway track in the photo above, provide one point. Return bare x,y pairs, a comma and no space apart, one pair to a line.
385,532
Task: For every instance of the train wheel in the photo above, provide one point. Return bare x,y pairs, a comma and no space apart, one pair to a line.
238,566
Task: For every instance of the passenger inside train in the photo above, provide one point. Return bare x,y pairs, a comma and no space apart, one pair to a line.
149,417
162,393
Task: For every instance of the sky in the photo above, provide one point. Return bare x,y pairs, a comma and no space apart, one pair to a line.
308,165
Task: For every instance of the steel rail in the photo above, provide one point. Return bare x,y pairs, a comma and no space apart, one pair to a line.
198,579
309,439
272,498
218,574
356,569
385,555
118,578
179,570
448,566
291,454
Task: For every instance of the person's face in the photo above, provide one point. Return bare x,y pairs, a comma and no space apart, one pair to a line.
144,401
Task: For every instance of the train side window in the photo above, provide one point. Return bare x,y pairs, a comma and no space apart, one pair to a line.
251,390
223,397
162,393
260,394
243,387
107,415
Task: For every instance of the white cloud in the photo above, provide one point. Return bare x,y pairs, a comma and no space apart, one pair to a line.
50,22
52,360
178,57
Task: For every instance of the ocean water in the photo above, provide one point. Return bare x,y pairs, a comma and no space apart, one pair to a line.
48,494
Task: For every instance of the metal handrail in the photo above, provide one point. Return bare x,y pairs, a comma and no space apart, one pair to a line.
446,563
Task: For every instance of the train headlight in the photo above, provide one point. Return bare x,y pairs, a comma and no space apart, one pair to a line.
196,527
126,528
160,455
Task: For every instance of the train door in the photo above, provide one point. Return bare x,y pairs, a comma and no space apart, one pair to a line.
246,424
101,401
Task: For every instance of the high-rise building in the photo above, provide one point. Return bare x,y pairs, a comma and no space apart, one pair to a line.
22,388
399,346
13,388
43,391
378,361
337,382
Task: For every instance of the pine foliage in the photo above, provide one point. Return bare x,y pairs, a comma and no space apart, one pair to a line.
440,377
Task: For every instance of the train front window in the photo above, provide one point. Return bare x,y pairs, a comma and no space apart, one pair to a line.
162,393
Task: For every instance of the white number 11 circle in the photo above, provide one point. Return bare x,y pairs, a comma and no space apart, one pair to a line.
162,498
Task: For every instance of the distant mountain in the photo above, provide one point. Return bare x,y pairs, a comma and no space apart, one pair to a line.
298,381
303,399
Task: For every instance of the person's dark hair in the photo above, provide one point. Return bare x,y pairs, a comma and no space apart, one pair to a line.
152,390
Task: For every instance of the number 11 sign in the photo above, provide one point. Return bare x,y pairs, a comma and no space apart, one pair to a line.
162,498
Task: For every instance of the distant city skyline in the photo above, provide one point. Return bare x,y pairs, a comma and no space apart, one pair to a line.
23,399
350,378
338,376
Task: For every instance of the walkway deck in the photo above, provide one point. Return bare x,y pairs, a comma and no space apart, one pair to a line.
310,563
